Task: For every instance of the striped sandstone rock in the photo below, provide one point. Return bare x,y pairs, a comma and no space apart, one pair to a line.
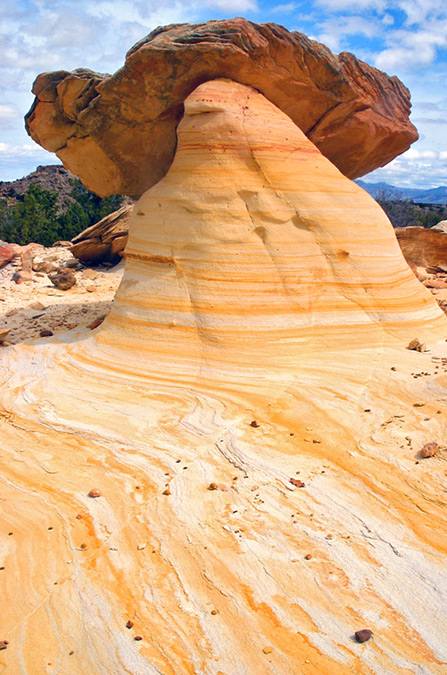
258,336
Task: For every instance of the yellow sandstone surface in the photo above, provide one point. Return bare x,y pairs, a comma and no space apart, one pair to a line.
259,335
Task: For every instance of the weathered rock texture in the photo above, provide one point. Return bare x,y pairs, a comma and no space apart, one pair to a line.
104,241
117,133
423,247
253,291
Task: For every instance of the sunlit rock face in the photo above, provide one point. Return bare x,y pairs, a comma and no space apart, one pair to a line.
258,336
118,132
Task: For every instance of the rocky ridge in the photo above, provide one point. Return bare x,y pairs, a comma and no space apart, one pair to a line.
53,177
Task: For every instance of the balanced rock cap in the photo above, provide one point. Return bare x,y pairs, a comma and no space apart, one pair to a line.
118,132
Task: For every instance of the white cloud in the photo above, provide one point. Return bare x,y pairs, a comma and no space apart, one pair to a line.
19,150
356,5
287,8
239,6
415,168
407,50
335,29
7,111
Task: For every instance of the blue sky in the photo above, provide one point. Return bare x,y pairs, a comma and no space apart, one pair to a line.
407,38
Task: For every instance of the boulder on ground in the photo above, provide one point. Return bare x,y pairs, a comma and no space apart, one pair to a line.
441,226
7,253
423,247
104,241
62,279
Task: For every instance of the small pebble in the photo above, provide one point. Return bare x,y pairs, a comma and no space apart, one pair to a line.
267,650
3,644
138,638
214,612
254,424
94,492
46,333
140,547
297,483
363,635
212,486
167,491
429,450
129,624
79,516
307,556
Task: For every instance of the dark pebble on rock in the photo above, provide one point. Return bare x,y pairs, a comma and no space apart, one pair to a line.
363,635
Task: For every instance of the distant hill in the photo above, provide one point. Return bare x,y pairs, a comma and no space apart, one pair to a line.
417,195
52,177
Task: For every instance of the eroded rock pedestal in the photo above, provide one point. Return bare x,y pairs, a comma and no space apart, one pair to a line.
258,336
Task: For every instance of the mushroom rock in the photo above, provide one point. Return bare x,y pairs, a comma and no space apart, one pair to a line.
249,348
423,247
118,132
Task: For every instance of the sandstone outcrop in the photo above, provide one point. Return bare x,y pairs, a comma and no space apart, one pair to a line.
423,247
118,133
257,343
104,241
440,227
7,253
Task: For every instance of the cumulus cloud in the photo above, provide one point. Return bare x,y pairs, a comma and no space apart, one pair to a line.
415,168
409,49
334,30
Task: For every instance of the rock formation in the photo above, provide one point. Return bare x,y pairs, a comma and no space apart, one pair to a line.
104,241
224,476
248,348
440,227
423,247
117,133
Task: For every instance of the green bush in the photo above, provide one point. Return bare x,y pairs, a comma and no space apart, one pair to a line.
34,216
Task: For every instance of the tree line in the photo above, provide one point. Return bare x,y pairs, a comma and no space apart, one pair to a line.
404,213
36,217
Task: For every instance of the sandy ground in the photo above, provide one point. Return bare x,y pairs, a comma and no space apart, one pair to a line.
30,307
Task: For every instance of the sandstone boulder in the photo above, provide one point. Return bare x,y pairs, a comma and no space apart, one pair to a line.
7,253
440,227
118,133
63,279
423,247
104,241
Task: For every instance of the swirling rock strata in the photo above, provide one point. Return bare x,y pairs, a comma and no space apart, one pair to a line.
258,336
118,133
